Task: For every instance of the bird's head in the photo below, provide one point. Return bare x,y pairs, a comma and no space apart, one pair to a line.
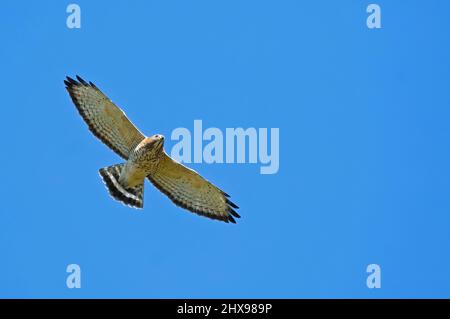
155,142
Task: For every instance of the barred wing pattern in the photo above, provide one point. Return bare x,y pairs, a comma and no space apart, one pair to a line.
189,190
105,120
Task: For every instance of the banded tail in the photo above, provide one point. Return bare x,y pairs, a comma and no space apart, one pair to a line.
133,197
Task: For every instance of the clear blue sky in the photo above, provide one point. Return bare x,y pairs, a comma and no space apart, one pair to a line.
364,148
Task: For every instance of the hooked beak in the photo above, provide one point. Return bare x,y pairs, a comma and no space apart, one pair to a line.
160,141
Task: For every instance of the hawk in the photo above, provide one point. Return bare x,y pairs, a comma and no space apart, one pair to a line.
144,158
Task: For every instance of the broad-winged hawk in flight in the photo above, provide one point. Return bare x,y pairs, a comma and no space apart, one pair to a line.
145,158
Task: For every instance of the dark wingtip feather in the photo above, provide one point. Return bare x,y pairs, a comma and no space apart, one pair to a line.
230,207
231,219
232,212
81,80
229,202
71,81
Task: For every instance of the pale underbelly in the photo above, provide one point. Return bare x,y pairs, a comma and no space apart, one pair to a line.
132,175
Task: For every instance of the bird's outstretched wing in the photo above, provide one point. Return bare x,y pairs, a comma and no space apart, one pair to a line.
105,120
187,189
